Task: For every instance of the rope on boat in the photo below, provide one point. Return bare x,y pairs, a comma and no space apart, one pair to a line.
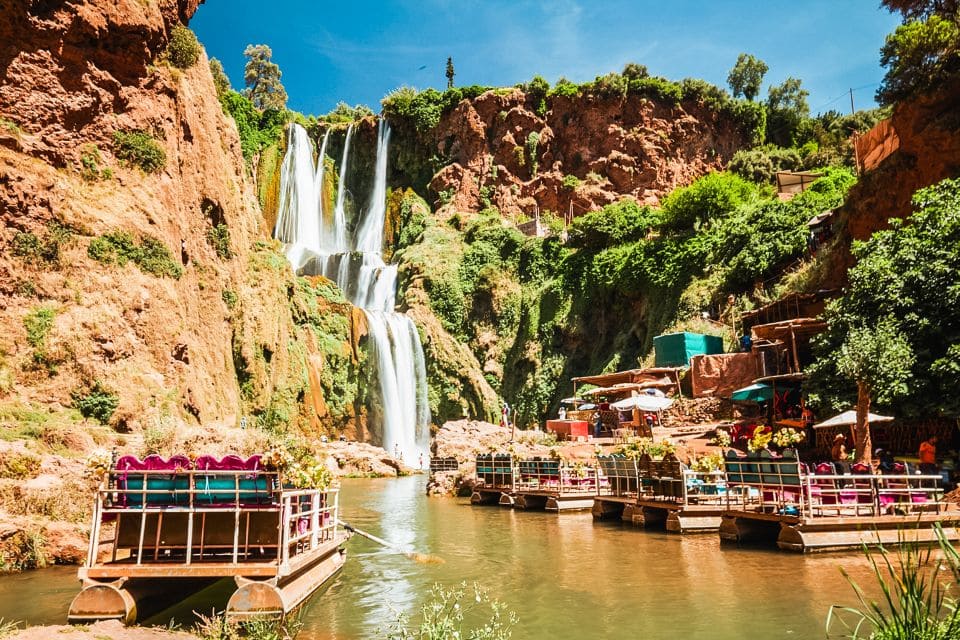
422,558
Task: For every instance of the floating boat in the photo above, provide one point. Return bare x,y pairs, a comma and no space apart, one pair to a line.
165,528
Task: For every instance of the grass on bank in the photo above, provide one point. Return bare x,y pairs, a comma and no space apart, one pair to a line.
917,585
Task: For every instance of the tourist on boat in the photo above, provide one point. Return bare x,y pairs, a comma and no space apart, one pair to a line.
884,461
597,424
928,456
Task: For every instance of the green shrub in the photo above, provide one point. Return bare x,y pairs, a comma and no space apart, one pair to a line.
565,88
452,613
571,182
229,298
44,250
219,238
151,255
655,88
38,323
537,91
762,164
97,402
711,197
139,148
90,160
183,50
257,129
533,141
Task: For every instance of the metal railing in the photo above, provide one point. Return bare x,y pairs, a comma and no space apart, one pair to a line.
555,477
782,488
444,464
188,516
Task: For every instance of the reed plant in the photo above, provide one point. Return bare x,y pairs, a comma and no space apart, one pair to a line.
917,585
461,612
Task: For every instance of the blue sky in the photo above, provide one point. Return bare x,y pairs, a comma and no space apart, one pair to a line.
358,51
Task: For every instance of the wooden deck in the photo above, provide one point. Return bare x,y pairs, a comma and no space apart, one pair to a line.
833,533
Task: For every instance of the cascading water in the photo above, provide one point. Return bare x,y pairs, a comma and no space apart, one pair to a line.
322,244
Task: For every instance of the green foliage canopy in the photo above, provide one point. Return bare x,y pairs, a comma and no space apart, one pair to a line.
746,76
262,78
908,277
919,56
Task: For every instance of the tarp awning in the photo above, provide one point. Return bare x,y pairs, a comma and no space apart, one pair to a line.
754,393
643,402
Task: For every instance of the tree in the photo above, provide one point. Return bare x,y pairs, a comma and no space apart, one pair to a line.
746,76
917,9
634,71
878,359
919,56
450,73
262,78
909,273
787,109
220,80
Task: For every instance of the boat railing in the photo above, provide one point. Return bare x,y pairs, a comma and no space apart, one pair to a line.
553,476
780,487
188,516
868,494
705,488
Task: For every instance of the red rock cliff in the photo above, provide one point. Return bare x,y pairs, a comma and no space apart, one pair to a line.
615,147
72,74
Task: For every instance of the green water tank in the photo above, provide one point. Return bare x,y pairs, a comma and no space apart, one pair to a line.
676,349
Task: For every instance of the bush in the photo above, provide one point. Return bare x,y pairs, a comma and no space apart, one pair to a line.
570,182
139,148
151,255
183,50
44,250
38,323
19,466
713,196
761,165
257,129
659,89
90,160
97,402
229,298
219,238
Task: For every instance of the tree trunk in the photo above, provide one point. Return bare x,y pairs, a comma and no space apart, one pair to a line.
861,431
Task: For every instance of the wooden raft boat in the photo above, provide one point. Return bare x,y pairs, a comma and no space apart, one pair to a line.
163,529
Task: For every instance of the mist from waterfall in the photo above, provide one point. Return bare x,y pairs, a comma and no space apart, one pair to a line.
320,242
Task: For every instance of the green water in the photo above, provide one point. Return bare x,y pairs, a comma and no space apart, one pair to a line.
566,576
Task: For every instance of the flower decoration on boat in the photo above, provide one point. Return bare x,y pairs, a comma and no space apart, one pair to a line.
707,463
760,439
641,446
277,459
788,437
722,438
309,474
99,463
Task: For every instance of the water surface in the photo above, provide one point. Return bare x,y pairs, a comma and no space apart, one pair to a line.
566,576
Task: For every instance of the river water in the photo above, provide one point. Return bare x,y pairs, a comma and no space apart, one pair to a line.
565,576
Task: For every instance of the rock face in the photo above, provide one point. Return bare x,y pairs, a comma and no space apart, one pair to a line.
232,334
585,152
924,133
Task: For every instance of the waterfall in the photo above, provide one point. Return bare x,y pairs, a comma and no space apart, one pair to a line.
339,215
370,232
316,244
